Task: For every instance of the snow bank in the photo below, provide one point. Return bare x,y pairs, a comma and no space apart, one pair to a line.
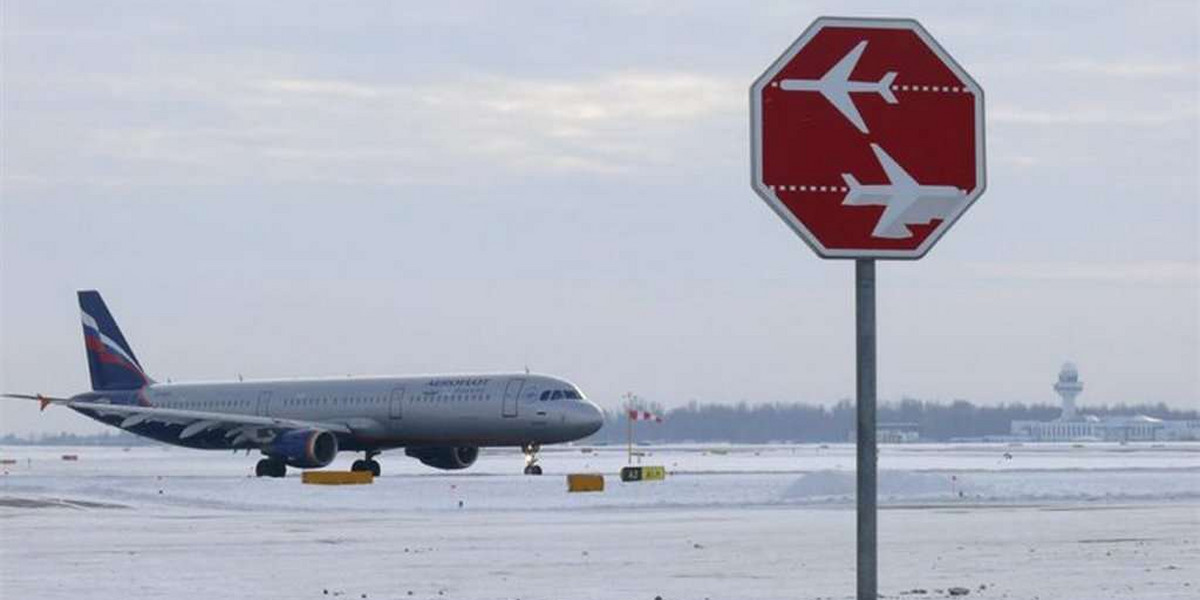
1002,486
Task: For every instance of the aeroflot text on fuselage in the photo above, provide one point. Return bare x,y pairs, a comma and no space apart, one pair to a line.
459,382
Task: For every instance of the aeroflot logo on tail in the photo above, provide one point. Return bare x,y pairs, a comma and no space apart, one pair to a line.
109,344
458,382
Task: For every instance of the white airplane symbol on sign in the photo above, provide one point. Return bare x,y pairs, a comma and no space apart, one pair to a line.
907,202
836,86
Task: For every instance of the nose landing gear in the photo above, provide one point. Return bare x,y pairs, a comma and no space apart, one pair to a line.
368,464
531,466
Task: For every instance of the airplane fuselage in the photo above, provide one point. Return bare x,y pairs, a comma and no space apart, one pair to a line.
379,412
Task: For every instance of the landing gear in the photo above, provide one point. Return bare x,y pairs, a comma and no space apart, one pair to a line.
270,467
531,466
369,464
366,465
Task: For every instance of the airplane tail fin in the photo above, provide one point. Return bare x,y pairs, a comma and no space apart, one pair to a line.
111,361
855,192
885,88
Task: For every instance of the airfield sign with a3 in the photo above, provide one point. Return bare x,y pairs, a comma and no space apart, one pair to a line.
867,138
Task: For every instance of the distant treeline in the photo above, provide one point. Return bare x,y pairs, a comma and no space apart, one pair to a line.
116,438
745,423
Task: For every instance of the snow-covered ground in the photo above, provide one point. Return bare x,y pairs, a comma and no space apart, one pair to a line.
1031,521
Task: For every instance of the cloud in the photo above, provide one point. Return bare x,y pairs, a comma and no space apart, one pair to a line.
615,99
1018,160
1154,272
619,122
231,124
1125,69
1091,115
321,88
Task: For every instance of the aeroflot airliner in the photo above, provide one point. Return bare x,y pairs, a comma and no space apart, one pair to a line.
440,420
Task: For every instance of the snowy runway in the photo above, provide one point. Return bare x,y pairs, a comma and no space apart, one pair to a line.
1102,521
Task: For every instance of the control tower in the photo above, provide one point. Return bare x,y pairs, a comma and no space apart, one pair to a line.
1068,386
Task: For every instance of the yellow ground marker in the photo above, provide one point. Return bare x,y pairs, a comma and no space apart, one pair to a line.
337,477
585,482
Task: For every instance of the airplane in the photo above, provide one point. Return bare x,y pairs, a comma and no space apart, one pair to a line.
836,86
441,420
907,202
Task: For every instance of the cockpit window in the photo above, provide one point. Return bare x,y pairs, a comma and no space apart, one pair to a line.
560,395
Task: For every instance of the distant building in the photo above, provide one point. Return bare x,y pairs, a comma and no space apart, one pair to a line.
894,433
1068,387
1071,426
897,433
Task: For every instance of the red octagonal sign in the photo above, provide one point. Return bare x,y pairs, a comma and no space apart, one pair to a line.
867,138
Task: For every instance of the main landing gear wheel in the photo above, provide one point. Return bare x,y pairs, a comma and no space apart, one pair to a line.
269,467
370,464
366,465
531,466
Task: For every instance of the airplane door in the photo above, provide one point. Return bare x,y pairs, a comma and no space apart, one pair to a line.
264,400
512,393
396,404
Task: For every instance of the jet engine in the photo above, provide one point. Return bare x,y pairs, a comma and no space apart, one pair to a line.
305,448
450,458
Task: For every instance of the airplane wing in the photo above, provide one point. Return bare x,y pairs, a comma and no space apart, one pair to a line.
928,208
904,193
240,428
836,89
842,70
896,174
896,206
912,203
913,210
893,223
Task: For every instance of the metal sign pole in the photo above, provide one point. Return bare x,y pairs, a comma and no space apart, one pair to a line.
629,439
628,427
864,297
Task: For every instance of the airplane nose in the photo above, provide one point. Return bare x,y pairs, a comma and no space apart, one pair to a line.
593,417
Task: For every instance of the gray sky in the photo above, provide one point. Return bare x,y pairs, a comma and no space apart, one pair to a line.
323,188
